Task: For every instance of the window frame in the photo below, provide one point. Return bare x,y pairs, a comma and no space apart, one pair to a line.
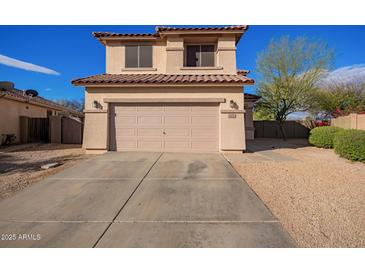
138,45
200,46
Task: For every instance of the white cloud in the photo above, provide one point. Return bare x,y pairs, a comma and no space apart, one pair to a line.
348,74
11,62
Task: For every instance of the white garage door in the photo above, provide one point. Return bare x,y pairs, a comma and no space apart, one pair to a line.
164,127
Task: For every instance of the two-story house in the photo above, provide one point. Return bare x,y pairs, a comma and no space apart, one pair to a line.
177,89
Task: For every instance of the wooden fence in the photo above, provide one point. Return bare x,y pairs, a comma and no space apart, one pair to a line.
352,121
38,130
71,132
54,129
270,129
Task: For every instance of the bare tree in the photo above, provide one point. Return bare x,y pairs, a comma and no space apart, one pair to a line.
73,104
289,72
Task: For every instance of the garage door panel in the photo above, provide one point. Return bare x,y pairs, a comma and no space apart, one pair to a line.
177,120
177,132
126,132
124,144
150,132
149,120
122,121
204,132
167,127
177,145
208,110
206,121
150,109
180,109
128,109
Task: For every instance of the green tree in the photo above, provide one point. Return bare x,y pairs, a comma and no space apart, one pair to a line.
337,99
289,72
259,115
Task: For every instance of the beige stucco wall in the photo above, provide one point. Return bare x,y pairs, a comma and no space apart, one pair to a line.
168,55
11,110
352,121
232,133
115,57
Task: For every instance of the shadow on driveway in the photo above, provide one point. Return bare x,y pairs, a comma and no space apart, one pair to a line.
263,144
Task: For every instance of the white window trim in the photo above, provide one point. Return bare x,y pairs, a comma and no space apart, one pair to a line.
200,45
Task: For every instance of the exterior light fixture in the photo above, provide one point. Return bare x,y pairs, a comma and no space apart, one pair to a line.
97,104
233,104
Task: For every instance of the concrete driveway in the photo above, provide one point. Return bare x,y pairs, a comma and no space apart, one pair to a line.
141,200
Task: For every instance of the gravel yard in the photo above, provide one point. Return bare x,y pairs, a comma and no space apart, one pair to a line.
20,165
318,196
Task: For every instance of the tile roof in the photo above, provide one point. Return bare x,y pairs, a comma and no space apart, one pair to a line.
162,79
112,34
16,93
241,27
159,30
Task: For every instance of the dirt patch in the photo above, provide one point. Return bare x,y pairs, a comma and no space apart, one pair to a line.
20,165
318,196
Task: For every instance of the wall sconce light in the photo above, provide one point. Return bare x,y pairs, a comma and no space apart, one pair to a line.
233,104
97,105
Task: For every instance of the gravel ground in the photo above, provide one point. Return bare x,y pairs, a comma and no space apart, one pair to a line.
20,165
318,196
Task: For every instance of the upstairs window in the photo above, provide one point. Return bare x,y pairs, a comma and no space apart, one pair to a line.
200,56
138,56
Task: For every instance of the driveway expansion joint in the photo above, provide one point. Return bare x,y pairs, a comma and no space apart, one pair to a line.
130,196
201,222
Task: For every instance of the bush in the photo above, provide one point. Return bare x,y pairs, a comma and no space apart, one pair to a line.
323,136
350,144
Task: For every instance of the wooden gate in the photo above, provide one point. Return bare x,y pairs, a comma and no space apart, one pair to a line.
38,130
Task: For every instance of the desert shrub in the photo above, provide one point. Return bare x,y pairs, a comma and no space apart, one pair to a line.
323,136
350,144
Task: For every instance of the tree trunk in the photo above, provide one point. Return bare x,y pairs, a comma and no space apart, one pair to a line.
282,130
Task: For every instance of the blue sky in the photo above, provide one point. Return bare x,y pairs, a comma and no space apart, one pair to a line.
68,52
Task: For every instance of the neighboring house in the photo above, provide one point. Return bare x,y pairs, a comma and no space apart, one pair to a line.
175,90
14,103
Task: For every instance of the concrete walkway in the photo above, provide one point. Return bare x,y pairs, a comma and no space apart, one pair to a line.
141,200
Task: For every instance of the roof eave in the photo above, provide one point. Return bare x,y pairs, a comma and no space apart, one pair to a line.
104,40
248,83
54,107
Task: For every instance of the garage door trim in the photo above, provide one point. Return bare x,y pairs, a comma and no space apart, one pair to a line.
164,100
